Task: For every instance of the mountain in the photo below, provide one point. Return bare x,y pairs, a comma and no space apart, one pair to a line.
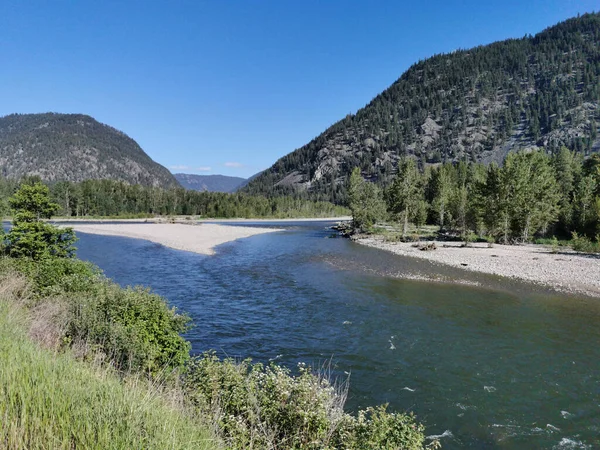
476,105
247,181
74,147
210,183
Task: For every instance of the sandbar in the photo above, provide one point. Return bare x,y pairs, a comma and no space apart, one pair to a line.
197,238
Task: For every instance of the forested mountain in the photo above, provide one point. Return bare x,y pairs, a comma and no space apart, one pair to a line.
470,105
248,181
74,147
209,183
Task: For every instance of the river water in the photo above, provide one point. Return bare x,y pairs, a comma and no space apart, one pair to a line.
501,365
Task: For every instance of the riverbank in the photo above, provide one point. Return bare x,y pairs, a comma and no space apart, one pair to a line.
197,238
565,271
187,220
303,219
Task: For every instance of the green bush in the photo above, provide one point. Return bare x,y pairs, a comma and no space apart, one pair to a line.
58,276
134,328
258,406
584,244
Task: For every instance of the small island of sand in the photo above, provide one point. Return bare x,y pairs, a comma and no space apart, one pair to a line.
199,238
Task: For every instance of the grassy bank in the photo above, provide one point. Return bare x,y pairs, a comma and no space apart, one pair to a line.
50,400
87,364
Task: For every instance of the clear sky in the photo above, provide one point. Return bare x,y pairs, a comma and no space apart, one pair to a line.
230,86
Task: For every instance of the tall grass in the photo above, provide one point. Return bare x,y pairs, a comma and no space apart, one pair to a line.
50,400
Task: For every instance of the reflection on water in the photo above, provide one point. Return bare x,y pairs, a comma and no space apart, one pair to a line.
500,366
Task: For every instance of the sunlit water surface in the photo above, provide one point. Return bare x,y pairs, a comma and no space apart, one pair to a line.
501,366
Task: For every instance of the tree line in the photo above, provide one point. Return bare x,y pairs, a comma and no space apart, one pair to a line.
531,194
115,198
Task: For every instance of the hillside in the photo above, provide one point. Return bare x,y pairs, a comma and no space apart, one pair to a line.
209,183
476,105
74,147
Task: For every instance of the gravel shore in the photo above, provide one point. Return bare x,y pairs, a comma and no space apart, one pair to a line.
192,238
565,271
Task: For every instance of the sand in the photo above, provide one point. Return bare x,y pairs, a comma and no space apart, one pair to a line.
565,271
201,238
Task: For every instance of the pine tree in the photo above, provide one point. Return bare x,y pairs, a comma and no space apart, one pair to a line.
29,236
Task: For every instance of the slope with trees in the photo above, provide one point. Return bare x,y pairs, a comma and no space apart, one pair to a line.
473,105
210,183
74,147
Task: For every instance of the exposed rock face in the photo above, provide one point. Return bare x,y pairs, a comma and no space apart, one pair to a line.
74,147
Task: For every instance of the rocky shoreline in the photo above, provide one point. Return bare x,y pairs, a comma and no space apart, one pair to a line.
565,271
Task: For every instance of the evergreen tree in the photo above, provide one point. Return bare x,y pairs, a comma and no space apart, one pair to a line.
29,236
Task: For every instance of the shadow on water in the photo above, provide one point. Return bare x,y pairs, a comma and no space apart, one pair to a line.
503,365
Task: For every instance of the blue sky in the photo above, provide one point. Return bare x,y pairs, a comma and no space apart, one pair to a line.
230,86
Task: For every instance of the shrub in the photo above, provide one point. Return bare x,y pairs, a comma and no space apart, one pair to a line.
133,327
57,276
554,244
584,244
256,406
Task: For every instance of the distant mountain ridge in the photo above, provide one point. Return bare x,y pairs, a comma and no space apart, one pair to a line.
210,183
477,104
74,147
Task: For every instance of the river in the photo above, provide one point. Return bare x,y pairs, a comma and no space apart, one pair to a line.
502,365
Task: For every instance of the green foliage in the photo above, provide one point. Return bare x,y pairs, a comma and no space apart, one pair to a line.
29,237
524,199
38,240
554,244
532,193
132,328
50,400
266,407
32,203
56,276
405,193
377,428
107,198
365,202
584,244
440,189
